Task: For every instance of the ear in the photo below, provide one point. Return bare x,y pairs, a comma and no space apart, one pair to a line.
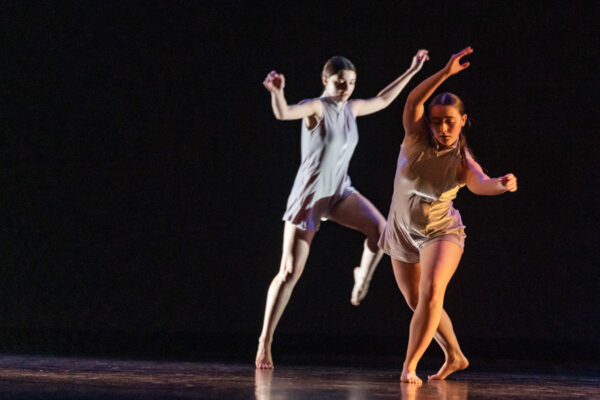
324,79
464,120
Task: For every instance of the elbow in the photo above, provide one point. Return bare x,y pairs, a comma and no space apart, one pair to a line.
412,100
385,101
475,187
279,114
410,108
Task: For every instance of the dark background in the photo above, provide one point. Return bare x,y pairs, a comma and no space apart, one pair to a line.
145,176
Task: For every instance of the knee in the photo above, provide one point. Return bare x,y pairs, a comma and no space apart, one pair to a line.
289,272
432,294
412,302
380,227
411,295
373,236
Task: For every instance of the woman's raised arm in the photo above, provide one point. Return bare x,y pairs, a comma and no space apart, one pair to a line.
274,83
390,92
414,109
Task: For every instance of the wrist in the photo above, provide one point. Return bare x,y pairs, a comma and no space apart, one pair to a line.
501,186
445,72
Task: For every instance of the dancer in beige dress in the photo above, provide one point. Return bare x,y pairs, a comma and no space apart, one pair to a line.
322,189
424,234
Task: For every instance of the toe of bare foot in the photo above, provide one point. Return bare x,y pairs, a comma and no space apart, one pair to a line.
412,378
263,365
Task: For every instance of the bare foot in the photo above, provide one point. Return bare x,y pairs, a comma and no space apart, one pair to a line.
450,366
410,377
361,286
263,356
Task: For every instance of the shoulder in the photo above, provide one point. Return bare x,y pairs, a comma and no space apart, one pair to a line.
313,100
354,105
419,136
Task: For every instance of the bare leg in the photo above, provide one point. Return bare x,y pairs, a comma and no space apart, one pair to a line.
407,277
439,260
358,213
296,246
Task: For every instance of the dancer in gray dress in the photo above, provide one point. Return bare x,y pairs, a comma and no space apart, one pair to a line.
424,234
322,189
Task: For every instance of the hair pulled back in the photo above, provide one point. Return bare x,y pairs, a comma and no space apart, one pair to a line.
335,65
450,99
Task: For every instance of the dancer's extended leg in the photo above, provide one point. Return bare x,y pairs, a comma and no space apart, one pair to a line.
296,246
358,213
439,261
408,277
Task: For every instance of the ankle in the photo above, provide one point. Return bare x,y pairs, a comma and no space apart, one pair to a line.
454,356
408,367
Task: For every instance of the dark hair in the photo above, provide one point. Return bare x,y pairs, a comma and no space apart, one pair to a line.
335,65
450,99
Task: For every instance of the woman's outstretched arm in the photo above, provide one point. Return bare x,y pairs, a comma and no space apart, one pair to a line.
479,183
415,103
274,83
390,92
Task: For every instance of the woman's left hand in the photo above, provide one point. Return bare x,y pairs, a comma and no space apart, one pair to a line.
509,181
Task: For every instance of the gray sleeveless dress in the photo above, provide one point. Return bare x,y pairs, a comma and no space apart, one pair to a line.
322,179
421,211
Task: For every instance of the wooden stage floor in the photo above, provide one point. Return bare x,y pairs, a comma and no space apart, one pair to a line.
45,377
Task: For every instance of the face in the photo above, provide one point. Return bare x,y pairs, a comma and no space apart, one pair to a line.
341,85
446,124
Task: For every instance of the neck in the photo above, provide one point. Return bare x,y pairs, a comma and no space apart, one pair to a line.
443,146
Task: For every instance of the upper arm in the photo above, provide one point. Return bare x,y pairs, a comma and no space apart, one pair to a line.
474,175
305,108
413,118
362,107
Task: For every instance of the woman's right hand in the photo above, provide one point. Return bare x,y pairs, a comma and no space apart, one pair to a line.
419,59
274,82
454,66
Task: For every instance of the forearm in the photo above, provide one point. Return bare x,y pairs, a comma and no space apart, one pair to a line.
279,105
487,187
425,89
391,91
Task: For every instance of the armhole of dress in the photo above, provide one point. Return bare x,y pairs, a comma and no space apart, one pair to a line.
311,130
350,110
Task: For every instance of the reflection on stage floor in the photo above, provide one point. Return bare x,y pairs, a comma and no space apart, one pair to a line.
86,378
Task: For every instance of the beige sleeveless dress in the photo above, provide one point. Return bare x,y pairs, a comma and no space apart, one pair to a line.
421,211
322,180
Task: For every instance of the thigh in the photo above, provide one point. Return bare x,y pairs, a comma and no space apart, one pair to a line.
407,277
439,261
357,212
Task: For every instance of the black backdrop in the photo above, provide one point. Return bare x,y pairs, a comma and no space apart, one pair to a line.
145,175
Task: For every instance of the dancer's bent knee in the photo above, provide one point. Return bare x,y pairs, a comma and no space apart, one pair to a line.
288,270
432,295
